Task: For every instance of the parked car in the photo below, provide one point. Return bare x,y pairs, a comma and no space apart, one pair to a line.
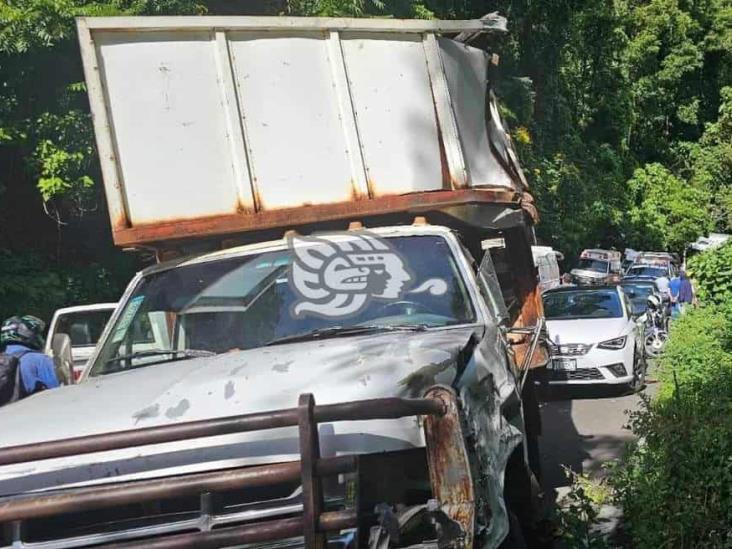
594,337
638,291
714,240
84,325
650,271
597,267
652,265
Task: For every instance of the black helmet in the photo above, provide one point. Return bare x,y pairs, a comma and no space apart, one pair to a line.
26,330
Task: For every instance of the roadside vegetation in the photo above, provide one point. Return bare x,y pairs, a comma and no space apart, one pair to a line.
674,485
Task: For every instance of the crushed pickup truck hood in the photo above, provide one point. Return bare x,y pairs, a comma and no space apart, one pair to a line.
334,370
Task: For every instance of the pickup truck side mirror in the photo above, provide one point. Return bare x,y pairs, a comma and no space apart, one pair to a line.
62,358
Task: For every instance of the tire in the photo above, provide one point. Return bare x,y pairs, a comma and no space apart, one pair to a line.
639,373
654,343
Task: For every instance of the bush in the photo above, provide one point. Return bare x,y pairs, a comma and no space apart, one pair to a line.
674,484
712,274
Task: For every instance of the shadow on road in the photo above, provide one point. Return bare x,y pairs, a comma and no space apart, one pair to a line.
582,428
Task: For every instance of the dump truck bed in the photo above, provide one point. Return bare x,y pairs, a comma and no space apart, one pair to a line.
215,125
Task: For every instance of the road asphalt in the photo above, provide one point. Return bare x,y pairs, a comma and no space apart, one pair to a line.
583,427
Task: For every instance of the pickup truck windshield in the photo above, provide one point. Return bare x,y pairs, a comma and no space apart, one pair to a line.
596,265
244,302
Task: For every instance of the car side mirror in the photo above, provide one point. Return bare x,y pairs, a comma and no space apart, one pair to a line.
62,358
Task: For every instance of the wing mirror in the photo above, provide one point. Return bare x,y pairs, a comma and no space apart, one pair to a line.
62,358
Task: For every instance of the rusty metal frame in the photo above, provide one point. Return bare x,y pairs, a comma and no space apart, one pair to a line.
446,456
284,218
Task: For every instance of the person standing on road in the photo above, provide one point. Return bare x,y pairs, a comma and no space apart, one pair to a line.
663,283
21,337
686,291
674,286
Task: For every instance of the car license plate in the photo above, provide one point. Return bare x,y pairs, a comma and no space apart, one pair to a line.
564,364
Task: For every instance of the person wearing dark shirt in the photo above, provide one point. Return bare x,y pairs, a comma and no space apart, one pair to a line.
686,291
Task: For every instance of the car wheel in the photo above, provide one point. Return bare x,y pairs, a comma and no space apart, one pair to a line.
639,373
654,344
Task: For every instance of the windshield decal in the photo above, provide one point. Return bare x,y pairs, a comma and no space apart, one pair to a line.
337,275
126,319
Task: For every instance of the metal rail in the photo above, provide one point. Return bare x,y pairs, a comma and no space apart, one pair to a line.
380,408
440,409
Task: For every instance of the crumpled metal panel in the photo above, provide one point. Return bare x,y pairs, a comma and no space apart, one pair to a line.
487,389
466,69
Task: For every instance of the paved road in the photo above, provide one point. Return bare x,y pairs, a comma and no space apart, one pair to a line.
582,429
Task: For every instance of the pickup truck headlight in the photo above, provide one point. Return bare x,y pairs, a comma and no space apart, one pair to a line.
614,344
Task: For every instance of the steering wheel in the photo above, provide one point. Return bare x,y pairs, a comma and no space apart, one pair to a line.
405,304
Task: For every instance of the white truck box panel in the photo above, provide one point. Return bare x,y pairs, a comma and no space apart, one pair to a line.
210,119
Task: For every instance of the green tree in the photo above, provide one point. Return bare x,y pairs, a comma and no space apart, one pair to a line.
666,212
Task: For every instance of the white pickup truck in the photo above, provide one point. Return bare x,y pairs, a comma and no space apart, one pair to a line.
83,324
325,355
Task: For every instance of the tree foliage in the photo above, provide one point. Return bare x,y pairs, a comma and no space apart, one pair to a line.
712,274
666,212
44,113
621,110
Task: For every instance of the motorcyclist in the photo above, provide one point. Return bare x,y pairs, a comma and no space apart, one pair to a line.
22,337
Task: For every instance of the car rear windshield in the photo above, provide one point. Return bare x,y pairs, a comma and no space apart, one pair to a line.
596,265
84,328
645,270
638,295
591,303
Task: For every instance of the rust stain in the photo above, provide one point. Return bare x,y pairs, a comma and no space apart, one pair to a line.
120,222
527,292
177,229
450,474
354,192
371,187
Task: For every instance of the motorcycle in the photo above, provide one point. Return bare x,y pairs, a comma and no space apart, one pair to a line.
656,331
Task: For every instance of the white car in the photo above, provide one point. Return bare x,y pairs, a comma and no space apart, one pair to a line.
84,325
594,337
